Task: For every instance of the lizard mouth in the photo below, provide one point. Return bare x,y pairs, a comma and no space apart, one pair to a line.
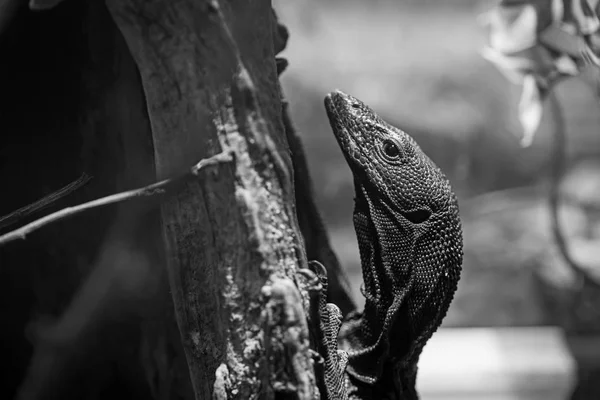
336,113
338,109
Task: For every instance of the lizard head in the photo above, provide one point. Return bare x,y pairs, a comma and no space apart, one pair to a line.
409,235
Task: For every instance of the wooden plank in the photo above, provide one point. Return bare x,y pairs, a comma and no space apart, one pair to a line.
496,363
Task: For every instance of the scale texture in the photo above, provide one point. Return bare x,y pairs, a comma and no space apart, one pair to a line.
410,240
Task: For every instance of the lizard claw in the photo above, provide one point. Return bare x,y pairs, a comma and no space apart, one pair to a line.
317,358
342,360
313,280
328,318
319,269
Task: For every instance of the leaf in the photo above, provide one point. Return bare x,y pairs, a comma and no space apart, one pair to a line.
584,17
562,41
513,28
513,68
530,109
538,42
566,66
535,60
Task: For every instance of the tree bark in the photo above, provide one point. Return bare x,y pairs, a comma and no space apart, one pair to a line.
231,238
203,79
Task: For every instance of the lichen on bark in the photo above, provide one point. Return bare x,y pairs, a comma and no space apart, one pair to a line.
232,238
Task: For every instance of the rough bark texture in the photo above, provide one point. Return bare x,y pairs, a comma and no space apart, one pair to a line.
175,82
209,76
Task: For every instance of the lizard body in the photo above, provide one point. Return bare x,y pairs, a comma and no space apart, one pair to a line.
410,241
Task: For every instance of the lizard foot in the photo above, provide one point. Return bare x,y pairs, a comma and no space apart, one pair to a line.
329,320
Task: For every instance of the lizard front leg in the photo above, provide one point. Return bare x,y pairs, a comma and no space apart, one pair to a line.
328,319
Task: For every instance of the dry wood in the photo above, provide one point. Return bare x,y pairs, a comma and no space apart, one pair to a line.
228,238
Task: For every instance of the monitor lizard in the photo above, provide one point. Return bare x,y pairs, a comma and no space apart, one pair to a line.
409,234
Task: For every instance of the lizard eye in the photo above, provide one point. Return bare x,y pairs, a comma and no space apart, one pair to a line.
391,151
417,216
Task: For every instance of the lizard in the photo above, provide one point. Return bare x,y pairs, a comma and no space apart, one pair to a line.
407,223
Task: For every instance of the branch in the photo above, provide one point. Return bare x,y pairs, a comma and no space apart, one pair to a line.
42,5
43,202
157,188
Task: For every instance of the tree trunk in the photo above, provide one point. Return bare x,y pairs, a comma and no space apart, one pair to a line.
209,76
181,81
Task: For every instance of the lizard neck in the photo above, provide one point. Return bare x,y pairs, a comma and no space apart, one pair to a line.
386,253
386,247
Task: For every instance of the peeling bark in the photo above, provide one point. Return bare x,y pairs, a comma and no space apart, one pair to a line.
208,71
185,80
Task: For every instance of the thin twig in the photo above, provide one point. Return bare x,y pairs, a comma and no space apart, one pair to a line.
146,191
44,202
42,5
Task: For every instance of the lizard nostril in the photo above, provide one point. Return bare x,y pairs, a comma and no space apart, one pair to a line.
355,105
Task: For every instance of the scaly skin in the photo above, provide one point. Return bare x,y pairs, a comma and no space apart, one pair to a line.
410,241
